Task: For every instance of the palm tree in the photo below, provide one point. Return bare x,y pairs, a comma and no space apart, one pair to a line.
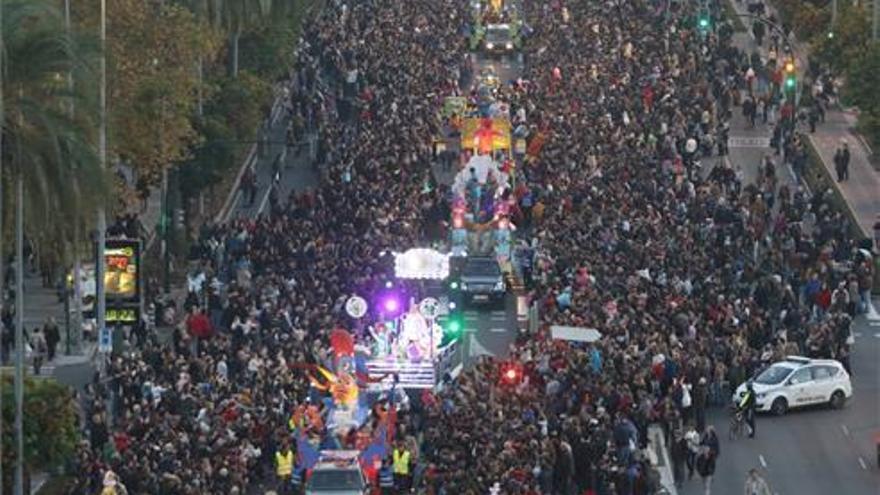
49,151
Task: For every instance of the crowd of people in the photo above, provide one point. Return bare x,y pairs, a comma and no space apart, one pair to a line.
694,278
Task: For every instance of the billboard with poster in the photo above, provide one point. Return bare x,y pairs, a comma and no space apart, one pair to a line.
122,259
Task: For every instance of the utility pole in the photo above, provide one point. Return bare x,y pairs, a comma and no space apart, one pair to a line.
833,14
18,487
876,27
76,321
2,259
101,306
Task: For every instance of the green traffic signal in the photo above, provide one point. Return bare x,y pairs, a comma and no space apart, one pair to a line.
453,327
790,82
704,23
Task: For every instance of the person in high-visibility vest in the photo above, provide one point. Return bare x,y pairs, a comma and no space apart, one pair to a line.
747,406
400,460
284,467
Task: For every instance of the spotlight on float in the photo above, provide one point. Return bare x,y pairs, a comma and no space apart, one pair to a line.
451,305
389,284
391,305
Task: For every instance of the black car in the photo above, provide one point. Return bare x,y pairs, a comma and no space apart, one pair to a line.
497,39
482,280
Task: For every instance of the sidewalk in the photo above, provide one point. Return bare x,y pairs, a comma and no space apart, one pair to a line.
40,304
861,192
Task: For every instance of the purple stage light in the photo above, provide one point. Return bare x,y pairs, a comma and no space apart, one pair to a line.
391,305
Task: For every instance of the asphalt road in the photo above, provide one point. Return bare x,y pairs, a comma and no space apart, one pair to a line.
490,331
815,450
487,331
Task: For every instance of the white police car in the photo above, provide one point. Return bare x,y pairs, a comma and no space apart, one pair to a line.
338,472
798,381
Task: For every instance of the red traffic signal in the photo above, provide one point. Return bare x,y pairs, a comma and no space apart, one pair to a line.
511,373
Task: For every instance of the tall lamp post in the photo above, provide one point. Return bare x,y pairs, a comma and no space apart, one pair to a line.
2,259
101,306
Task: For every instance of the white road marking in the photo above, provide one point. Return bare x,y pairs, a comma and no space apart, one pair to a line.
498,330
857,334
265,199
763,462
791,172
862,462
470,318
874,323
498,318
877,335
873,315
845,430
748,142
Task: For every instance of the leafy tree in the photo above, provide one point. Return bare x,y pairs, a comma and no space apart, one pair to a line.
242,101
268,50
154,48
50,426
861,90
851,38
212,160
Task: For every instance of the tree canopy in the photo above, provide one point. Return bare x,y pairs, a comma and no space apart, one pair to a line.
50,425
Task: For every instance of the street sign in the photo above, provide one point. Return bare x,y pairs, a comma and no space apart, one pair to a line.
356,306
105,339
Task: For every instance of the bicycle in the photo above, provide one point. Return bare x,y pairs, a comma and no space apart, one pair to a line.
737,423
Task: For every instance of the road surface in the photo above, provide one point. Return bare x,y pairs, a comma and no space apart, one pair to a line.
816,450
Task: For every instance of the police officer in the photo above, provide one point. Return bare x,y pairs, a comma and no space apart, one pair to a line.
747,408
284,467
401,458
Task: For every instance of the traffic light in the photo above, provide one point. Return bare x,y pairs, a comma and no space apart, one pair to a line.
452,327
511,374
704,22
790,75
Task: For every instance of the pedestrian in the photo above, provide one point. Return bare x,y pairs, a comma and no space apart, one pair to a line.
748,110
706,467
841,161
679,457
700,398
877,233
112,485
386,478
52,335
38,350
693,447
710,439
758,31
756,484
